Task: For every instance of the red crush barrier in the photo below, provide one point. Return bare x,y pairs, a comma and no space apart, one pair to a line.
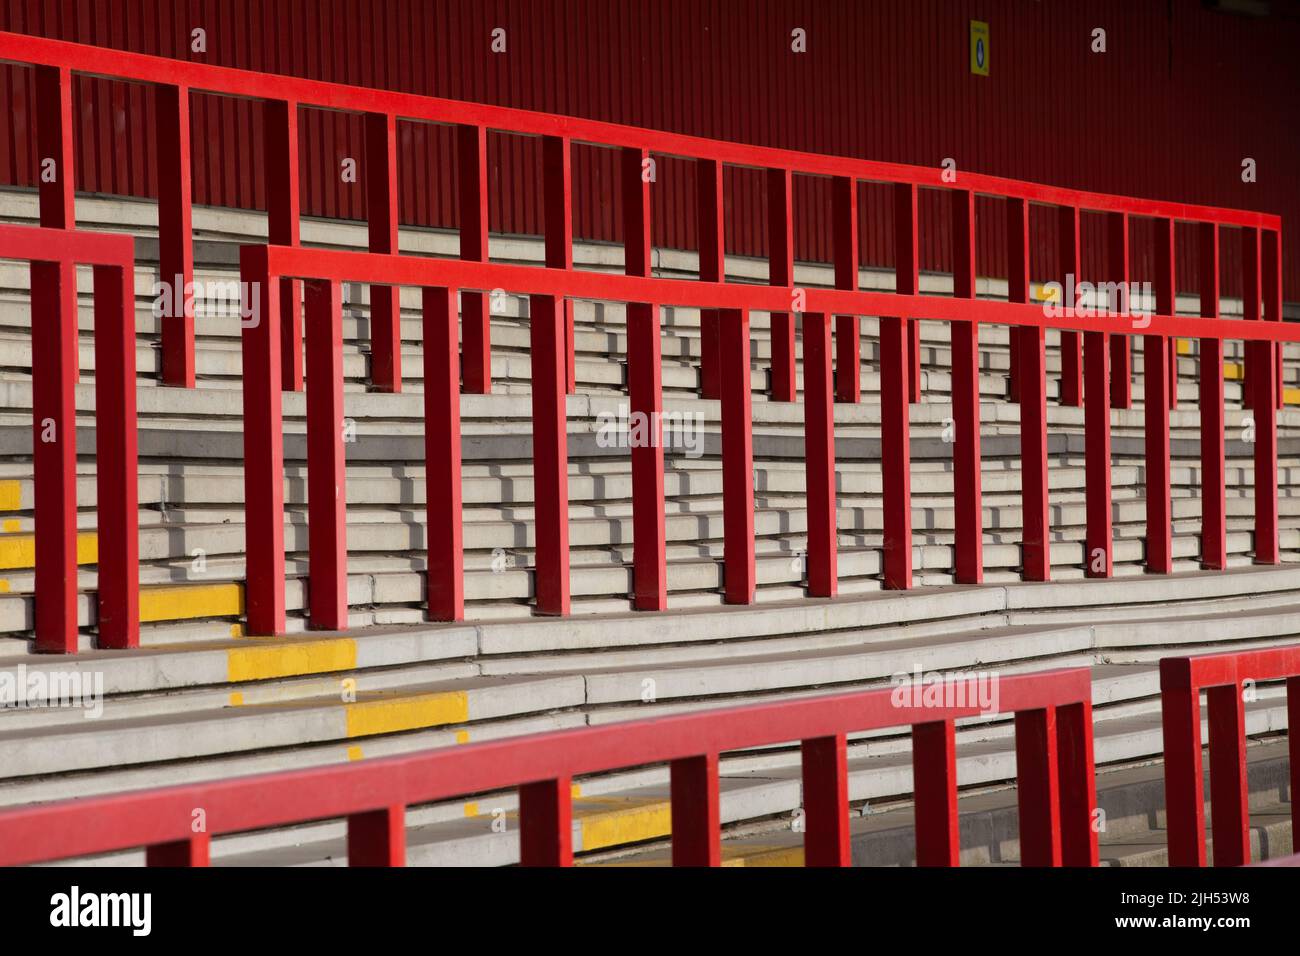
57,61
267,266
54,254
1220,675
1053,730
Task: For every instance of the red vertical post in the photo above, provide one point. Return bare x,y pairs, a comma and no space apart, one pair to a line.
1166,298
442,464
1180,717
1265,402
645,392
934,791
713,268
1038,787
737,457
381,211
1214,504
780,238
56,184
1098,557
117,468
645,388
1078,781
819,456
280,128
1229,800
1252,289
907,275
376,837
175,235
56,176
550,455
557,200
475,312
848,347
327,516
1036,558
825,766
896,452
964,336
195,851
1121,346
696,824
54,453
546,823
1155,360
1293,745
1071,345
1271,283
263,448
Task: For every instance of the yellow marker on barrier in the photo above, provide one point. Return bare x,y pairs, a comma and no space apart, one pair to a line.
354,753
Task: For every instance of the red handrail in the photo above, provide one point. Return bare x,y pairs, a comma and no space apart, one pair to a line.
266,267
1221,676
58,60
1054,768
54,255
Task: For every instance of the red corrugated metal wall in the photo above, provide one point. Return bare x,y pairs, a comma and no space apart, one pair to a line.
1181,96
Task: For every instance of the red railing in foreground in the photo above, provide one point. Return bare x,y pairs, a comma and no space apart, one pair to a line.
54,255
57,61
264,267
1221,676
1054,773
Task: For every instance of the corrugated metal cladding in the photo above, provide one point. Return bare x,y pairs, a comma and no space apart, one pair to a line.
1180,97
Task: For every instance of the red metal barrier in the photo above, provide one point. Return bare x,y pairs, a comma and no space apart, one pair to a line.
1221,676
266,267
1054,768
725,340
57,61
54,254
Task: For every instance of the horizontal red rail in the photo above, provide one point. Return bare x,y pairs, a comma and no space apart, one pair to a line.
1054,758
54,255
1224,678
201,77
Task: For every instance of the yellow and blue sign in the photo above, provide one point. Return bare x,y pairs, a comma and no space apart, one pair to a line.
979,47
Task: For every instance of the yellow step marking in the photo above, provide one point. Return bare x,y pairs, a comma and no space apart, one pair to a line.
1291,396
471,809
354,753
184,601
236,699
1184,346
19,550
11,494
1042,293
13,525
291,659
4,586
462,736
753,854
614,821
392,714
1233,371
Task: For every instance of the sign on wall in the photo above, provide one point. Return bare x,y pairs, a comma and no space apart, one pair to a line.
979,47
